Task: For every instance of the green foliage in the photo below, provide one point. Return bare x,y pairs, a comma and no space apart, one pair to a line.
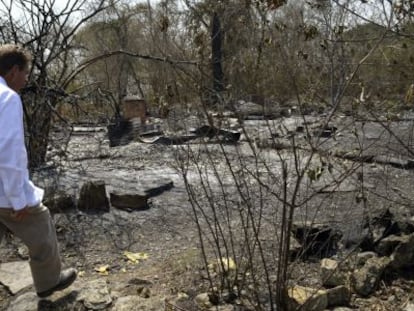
314,174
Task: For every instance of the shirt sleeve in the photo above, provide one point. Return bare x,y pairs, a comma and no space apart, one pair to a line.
13,155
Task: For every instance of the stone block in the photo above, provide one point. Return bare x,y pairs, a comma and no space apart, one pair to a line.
307,299
129,201
338,296
93,196
330,273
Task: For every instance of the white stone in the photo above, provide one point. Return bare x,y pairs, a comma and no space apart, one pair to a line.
95,295
331,274
409,307
15,275
307,299
203,300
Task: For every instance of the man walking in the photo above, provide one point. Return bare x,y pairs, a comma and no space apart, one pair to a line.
21,208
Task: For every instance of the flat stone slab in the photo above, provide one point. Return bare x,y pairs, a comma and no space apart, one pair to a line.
27,302
129,201
137,303
157,187
15,275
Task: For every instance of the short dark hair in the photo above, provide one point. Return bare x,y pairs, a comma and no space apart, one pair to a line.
11,55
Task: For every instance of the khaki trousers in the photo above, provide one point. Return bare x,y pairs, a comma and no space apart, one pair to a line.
38,233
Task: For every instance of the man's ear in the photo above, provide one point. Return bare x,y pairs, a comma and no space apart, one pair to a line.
15,69
11,75
12,72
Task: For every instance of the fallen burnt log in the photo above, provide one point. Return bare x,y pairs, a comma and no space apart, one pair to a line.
124,131
397,162
213,132
406,164
168,140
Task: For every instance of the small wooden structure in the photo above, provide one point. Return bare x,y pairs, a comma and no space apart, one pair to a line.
134,107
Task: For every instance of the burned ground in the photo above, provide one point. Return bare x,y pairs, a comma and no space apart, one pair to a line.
356,169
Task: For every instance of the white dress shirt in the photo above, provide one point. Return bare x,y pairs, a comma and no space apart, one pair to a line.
16,189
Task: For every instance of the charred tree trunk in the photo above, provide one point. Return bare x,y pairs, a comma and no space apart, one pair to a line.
38,119
216,48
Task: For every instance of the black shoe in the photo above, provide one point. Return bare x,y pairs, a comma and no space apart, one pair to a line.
67,277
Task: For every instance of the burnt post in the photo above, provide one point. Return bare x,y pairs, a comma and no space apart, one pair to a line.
216,48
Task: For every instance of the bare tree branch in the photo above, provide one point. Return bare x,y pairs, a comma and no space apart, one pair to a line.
93,60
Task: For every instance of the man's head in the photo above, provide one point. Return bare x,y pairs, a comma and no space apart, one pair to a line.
14,65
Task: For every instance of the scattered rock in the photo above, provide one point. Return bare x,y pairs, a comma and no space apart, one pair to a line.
402,226
25,302
181,301
95,295
383,226
229,297
365,280
59,202
144,292
330,273
338,296
203,301
316,239
376,229
403,255
361,258
93,196
386,246
409,307
307,299
23,252
223,265
127,303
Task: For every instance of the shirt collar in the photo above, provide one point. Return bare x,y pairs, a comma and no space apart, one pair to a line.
3,81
